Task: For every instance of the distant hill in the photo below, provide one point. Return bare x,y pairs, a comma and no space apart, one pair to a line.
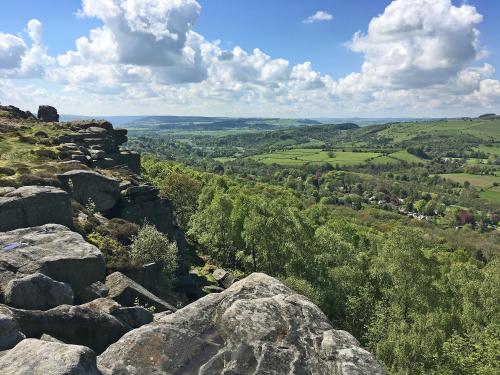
115,120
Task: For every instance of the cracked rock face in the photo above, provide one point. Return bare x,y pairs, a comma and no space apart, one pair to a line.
257,326
52,250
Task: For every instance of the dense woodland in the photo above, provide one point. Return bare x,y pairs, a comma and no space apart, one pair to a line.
400,248
423,299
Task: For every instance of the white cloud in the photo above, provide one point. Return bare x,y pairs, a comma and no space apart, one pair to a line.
421,57
24,62
419,43
319,16
12,49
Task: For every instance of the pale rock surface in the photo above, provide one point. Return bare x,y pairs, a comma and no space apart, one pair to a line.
50,249
257,326
31,206
39,357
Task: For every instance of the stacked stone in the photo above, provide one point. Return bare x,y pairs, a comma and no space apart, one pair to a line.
96,144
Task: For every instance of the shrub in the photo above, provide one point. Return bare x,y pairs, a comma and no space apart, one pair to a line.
150,245
117,257
121,230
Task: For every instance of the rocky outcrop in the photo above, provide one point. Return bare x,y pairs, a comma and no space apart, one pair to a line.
46,113
97,144
50,249
37,357
10,333
37,292
256,326
80,325
127,292
31,206
88,187
142,203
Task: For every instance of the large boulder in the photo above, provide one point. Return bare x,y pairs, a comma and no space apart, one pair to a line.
31,206
47,113
80,325
39,357
88,187
10,333
37,292
128,293
256,326
53,250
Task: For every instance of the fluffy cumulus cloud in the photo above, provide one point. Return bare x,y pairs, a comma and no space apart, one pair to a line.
17,60
420,56
12,49
417,43
319,16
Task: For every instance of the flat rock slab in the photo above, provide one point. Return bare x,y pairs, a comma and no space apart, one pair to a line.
39,357
31,206
257,326
127,293
50,249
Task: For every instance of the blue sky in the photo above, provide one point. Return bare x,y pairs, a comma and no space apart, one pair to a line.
274,81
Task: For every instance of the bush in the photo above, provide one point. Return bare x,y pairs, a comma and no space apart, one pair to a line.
121,230
150,245
117,257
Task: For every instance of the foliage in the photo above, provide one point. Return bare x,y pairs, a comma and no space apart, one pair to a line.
150,245
117,256
422,295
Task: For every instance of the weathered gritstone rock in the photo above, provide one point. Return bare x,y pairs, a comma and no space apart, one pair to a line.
47,113
10,333
223,277
39,357
30,206
127,292
80,325
134,317
53,250
257,326
142,203
91,292
37,292
91,187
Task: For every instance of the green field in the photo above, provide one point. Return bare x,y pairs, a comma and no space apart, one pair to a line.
490,196
302,156
406,156
493,150
484,182
482,129
382,160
